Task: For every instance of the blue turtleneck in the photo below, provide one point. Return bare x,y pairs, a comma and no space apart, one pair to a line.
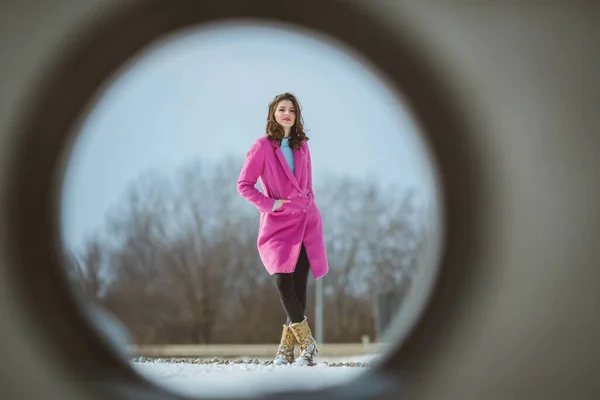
287,153
289,157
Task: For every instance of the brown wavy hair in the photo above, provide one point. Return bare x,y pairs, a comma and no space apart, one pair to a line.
275,131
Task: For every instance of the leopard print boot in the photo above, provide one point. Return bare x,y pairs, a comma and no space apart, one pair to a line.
308,344
285,351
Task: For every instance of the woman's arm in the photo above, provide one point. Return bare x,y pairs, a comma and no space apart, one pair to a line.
310,185
251,171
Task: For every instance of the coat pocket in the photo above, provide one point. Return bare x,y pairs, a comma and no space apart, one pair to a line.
280,210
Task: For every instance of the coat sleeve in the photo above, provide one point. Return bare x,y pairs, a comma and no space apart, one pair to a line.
310,184
251,171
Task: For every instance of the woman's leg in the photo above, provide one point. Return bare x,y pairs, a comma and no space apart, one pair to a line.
301,278
299,327
292,293
291,305
300,281
287,295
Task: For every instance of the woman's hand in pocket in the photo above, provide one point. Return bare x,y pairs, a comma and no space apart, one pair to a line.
279,203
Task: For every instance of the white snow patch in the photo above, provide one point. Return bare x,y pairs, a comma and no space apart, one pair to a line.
218,380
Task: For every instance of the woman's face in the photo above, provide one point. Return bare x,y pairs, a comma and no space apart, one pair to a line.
285,113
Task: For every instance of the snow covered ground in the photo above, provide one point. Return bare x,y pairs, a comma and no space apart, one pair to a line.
230,380
219,380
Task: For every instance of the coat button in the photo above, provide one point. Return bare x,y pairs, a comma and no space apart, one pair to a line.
294,212
304,210
289,197
299,195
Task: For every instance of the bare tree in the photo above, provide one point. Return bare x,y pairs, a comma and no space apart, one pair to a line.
370,243
85,269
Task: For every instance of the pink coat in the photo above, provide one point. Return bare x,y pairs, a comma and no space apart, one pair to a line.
282,231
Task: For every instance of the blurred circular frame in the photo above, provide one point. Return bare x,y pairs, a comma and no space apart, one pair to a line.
43,139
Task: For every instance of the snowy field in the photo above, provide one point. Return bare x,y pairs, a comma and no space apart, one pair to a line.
229,380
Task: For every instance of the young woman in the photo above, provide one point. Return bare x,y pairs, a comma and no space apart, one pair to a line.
290,237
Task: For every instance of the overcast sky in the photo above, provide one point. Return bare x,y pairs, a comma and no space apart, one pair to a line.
204,94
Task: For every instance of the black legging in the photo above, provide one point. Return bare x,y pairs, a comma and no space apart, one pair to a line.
292,288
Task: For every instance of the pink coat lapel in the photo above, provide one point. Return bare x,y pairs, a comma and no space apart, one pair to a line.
298,165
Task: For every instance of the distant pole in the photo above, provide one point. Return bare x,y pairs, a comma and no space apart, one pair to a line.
319,311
